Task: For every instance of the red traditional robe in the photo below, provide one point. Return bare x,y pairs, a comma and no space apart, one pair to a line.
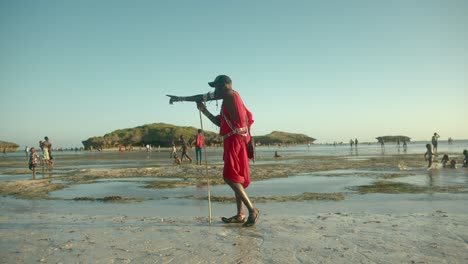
236,162
199,141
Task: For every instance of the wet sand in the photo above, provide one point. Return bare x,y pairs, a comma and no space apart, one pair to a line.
398,221
435,237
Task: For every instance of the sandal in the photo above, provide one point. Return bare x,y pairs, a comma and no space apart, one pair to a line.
252,220
234,219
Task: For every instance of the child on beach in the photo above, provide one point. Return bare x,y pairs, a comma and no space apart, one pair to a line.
447,163
428,156
33,161
173,151
465,160
174,154
453,164
176,158
445,160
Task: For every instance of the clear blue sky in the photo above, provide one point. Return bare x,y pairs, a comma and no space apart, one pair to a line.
333,70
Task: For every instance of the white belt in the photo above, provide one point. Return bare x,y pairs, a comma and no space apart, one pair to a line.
241,131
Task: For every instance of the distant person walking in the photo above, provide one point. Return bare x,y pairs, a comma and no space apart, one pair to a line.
351,142
435,138
26,149
199,141
355,142
185,149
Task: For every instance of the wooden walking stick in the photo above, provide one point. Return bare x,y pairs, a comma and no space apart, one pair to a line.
206,173
199,98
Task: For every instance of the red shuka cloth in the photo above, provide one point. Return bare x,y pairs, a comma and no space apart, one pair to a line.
236,162
199,141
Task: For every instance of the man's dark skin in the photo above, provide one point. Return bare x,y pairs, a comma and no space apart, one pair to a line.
224,91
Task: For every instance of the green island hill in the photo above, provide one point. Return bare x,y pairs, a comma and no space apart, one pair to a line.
161,134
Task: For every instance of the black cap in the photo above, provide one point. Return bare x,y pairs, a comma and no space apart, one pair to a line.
221,79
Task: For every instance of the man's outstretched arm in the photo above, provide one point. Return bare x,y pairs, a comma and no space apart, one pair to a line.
194,98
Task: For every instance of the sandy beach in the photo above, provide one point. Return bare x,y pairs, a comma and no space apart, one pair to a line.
315,208
437,237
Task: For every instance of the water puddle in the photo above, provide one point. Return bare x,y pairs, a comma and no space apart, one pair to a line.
120,188
444,177
295,185
134,187
138,179
336,181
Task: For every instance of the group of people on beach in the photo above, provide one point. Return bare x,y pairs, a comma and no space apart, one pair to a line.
353,142
186,145
34,158
446,161
431,153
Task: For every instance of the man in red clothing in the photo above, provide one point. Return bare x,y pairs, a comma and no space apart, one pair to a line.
234,122
199,140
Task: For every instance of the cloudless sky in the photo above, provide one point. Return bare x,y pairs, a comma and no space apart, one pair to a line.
332,70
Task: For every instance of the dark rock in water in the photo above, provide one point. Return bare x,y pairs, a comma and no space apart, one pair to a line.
105,199
393,139
111,198
84,199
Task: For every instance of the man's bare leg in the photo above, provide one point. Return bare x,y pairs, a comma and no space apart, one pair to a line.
240,206
242,196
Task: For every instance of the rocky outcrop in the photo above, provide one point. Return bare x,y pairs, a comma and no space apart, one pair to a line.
160,134
393,139
278,137
8,146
